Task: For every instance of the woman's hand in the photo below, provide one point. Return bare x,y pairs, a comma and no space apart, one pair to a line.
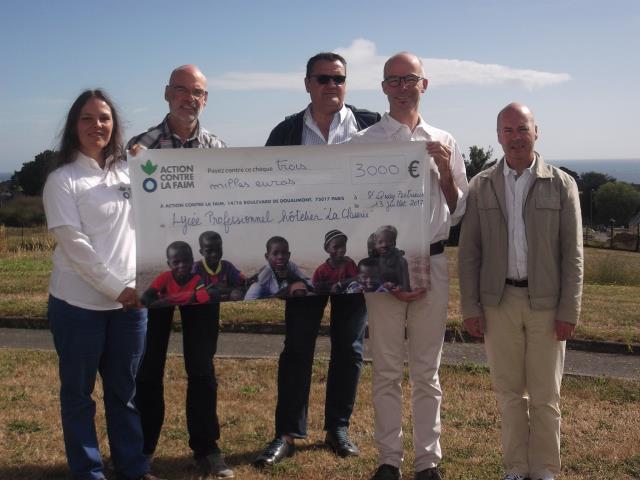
129,299
136,149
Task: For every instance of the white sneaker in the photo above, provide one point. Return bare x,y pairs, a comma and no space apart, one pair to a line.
513,476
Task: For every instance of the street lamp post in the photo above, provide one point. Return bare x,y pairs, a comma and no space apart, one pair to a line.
591,208
612,221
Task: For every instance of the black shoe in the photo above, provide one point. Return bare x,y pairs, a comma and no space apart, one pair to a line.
387,472
428,474
276,451
338,441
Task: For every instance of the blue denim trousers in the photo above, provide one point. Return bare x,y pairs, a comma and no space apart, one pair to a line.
110,342
302,322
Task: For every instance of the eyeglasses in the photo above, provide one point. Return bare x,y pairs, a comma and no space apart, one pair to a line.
197,93
409,80
324,79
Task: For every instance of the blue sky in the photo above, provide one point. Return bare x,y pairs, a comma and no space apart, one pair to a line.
574,62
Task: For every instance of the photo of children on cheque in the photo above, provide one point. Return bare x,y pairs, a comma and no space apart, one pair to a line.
210,278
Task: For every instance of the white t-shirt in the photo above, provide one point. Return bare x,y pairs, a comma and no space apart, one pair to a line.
89,211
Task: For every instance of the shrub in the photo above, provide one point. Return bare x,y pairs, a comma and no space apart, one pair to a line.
23,212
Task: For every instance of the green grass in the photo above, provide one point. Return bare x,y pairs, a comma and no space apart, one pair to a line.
610,309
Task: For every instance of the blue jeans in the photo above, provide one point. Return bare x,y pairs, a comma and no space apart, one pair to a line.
302,322
110,342
200,325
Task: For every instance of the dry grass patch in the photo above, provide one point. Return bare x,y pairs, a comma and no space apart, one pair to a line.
21,239
611,313
605,267
601,428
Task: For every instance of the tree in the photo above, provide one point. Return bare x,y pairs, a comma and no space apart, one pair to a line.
573,174
617,201
31,177
478,160
591,182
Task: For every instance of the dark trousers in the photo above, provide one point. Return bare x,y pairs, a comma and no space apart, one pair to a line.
302,322
200,326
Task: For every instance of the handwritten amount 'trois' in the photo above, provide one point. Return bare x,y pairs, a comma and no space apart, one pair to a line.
281,166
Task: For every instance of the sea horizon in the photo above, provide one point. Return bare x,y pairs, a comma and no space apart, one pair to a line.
624,170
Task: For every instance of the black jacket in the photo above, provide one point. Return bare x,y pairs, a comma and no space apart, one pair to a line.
289,131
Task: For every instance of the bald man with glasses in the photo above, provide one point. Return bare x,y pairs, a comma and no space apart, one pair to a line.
326,120
187,96
419,315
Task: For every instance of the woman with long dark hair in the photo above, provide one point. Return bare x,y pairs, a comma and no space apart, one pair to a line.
95,315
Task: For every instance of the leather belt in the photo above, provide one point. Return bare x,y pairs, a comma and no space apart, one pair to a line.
436,248
517,283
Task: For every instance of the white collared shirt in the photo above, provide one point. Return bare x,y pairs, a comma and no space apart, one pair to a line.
89,211
389,129
516,189
342,128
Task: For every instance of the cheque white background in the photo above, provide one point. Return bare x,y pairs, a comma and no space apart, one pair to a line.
331,172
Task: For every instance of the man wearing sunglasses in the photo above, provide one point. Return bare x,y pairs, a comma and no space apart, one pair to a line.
326,120
422,315
186,95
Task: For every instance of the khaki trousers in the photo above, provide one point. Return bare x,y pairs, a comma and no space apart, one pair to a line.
526,363
425,321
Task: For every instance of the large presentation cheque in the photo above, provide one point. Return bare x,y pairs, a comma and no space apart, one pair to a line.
247,223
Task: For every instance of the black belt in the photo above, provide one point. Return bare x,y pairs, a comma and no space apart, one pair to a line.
436,248
517,283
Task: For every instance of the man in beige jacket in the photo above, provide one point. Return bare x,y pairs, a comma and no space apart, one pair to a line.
521,267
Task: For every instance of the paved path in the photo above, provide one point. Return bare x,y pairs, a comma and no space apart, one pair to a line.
250,345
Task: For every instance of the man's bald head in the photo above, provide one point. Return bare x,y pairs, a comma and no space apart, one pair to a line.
186,95
404,84
406,58
189,70
518,108
517,134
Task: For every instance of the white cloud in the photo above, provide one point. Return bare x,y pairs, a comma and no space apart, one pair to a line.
452,72
365,71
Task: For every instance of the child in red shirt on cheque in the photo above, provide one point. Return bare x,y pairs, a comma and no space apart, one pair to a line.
338,270
178,286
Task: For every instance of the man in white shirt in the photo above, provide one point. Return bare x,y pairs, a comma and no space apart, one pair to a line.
424,314
521,267
326,120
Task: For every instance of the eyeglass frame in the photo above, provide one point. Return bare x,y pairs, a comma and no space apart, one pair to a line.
196,93
403,79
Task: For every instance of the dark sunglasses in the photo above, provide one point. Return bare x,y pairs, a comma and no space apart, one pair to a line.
324,79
